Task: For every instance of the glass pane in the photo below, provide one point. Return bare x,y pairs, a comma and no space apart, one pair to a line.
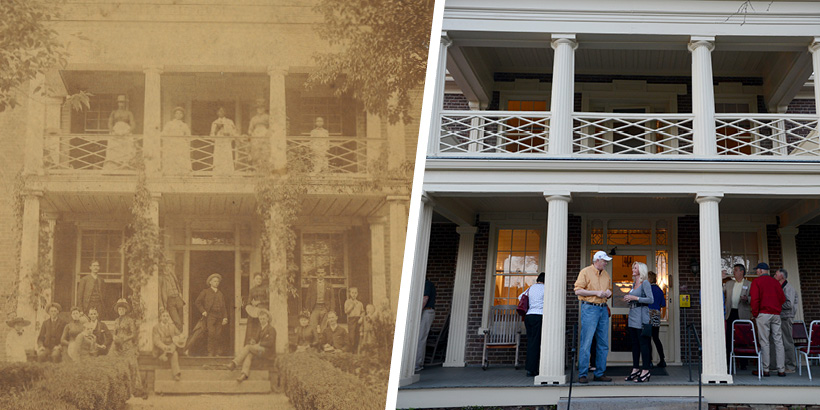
212,238
662,272
662,237
737,242
517,262
531,264
504,239
502,263
533,240
620,338
597,236
519,239
751,242
617,237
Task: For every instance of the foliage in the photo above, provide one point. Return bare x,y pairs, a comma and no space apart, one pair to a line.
96,383
143,248
314,383
19,377
41,277
10,294
384,51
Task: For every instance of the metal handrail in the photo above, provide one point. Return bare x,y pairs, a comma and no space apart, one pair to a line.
700,363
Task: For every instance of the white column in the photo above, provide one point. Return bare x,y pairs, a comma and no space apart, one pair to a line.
150,292
51,222
457,338
814,48
378,267
278,119
398,233
713,337
703,96
438,95
411,332
477,133
563,94
553,327
278,268
152,119
789,248
35,123
29,253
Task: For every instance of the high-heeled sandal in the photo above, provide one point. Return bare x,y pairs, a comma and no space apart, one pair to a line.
644,378
632,376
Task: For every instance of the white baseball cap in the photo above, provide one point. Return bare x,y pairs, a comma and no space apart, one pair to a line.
601,255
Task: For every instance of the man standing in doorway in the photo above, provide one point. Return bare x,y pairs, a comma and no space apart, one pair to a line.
767,303
736,304
428,313
593,287
320,301
90,293
787,319
171,293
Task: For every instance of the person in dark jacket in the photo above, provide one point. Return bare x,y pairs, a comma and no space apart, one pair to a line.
320,300
90,293
211,305
334,337
265,347
767,302
102,335
51,333
655,316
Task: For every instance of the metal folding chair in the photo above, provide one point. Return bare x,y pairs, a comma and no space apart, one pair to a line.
812,349
744,345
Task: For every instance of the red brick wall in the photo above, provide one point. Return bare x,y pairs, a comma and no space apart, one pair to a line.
802,106
775,249
808,242
689,282
441,269
456,102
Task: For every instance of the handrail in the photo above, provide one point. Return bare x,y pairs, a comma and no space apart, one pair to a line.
700,363
616,115
472,113
572,363
808,117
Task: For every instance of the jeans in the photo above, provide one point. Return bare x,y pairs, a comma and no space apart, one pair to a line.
533,325
594,321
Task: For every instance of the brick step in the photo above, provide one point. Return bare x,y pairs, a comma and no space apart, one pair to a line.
211,381
165,374
632,403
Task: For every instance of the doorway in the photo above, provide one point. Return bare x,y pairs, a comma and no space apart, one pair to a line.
203,264
620,346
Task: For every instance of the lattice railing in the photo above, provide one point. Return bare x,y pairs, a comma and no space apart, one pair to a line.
639,134
92,153
767,134
333,155
187,155
465,133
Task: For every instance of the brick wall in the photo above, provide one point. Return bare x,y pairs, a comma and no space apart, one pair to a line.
802,106
573,267
689,282
775,249
455,102
808,242
441,269
472,354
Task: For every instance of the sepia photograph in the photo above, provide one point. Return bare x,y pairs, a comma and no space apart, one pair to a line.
205,202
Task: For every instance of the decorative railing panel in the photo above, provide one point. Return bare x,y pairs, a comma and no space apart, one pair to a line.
92,153
466,133
767,134
639,134
331,155
187,155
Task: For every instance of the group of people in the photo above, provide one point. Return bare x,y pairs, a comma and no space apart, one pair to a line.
593,288
771,301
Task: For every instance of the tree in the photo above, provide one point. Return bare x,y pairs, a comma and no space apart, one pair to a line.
384,51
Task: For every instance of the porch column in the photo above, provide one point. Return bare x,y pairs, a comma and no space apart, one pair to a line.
477,124
457,337
278,119
278,268
50,224
814,49
398,234
563,94
150,292
394,141
789,249
35,124
703,96
711,291
29,253
438,95
378,267
553,327
413,318
152,119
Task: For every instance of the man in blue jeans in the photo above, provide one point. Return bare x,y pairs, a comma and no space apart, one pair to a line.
593,287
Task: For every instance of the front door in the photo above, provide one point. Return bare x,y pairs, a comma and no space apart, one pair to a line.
202,265
620,346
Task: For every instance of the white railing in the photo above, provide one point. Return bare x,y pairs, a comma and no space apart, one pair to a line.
466,133
195,155
107,154
782,135
640,134
338,155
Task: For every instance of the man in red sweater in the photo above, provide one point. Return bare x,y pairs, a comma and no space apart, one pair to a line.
767,301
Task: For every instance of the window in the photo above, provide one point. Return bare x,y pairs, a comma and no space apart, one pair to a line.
96,116
517,263
324,251
104,246
738,247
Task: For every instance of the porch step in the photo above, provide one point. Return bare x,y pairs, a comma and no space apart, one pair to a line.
210,381
632,403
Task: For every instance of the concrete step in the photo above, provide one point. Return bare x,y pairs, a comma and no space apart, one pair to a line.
210,381
633,403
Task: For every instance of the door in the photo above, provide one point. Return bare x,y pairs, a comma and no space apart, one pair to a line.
620,346
203,264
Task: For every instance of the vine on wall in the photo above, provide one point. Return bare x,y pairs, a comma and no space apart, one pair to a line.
143,248
41,276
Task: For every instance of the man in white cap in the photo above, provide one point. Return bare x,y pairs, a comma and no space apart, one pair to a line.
593,287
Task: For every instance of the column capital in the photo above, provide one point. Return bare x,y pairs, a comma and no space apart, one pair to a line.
476,105
788,231
376,220
702,197
50,216
559,39
153,69
701,41
446,41
397,198
565,196
815,45
156,196
33,193
277,70
426,199
467,230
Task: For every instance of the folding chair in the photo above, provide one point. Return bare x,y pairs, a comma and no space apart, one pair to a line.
812,349
800,336
503,331
744,345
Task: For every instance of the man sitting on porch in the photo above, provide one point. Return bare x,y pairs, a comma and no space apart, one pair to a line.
262,345
334,337
593,288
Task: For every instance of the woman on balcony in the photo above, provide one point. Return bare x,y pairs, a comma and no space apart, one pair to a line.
120,149
176,151
640,330
223,127
258,131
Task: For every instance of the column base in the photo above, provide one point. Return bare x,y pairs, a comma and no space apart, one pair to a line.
717,379
454,364
556,379
408,380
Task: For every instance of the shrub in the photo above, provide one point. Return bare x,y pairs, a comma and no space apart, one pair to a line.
18,377
371,369
314,383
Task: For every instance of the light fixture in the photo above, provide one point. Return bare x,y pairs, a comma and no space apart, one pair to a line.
694,265
612,252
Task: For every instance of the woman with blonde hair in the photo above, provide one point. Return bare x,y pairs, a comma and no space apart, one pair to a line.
640,330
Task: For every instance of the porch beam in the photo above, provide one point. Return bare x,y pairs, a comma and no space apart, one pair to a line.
472,76
455,212
703,96
800,213
457,337
712,326
786,79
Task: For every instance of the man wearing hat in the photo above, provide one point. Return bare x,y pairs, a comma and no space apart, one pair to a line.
767,302
211,305
51,332
593,287
15,340
90,293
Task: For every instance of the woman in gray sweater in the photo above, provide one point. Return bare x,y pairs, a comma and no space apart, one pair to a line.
639,298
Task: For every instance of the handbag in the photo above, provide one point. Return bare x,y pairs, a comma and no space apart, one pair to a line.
523,304
646,328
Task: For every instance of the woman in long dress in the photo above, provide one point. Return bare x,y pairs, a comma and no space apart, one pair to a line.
120,149
257,299
72,340
223,127
125,345
176,150
258,130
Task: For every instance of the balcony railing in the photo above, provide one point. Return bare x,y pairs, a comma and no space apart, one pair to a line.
108,154
637,135
336,155
204,156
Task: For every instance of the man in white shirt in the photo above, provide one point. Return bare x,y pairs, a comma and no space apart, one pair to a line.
737,304
16,340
